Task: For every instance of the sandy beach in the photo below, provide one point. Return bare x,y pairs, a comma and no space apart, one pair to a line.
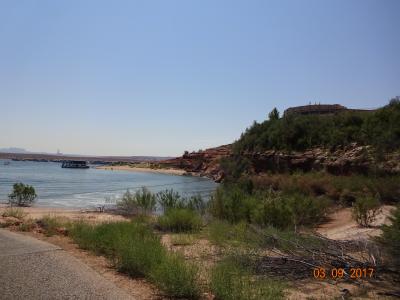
72,214
140,169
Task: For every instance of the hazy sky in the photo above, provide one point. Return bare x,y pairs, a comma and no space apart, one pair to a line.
160,77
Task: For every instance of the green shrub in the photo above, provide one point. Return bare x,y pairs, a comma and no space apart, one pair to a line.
27,225
274,211
84,235
14,212
128,203
390,239
169,199
22,195
305,210
146,200
343,189
232,203
365,210
180,220
223,233
267,208
182,239
110,238
176,277
197,204
137,251
132,246
142,201
218,231
50,224
138,257
232,281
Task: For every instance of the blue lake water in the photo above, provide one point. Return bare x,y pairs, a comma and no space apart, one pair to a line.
80,188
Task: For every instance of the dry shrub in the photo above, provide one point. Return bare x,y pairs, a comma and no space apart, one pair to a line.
365,210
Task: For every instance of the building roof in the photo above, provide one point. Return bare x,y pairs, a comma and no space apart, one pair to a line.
315,109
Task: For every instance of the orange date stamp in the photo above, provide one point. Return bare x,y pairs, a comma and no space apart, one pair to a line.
338,273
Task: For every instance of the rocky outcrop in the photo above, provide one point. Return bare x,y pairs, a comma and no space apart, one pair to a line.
201,163
352,159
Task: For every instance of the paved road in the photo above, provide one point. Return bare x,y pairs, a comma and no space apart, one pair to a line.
32,269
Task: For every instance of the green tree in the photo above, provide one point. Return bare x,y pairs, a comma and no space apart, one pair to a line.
22,195
273,115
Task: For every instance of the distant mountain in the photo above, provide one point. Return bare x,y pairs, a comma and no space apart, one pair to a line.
23,154
13,150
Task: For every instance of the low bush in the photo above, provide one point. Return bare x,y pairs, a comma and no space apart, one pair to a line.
390,239
223,233
128,203
84,235
289,211
267,208
139,256
232,281
137,251
218,231
141,202
27,225
182,239
132,246
146,200
176,277
342,189
365,210
51,224
230,202
14,212
121,241
169,199
197,204
180,220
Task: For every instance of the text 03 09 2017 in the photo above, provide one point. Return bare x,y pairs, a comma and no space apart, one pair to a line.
338,273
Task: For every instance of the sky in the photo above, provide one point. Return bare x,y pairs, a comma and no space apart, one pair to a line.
161,77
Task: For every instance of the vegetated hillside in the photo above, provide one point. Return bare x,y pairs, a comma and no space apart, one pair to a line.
349,142
380,129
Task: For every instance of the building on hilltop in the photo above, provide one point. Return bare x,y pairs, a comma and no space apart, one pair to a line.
315,109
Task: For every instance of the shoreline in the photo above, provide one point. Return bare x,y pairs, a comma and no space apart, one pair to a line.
92,216
140,169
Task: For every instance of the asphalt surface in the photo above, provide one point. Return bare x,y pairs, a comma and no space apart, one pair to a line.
33,269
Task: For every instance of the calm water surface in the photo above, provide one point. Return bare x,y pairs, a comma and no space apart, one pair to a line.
76,188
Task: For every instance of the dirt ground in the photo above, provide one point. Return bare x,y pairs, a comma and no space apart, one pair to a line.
341,226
